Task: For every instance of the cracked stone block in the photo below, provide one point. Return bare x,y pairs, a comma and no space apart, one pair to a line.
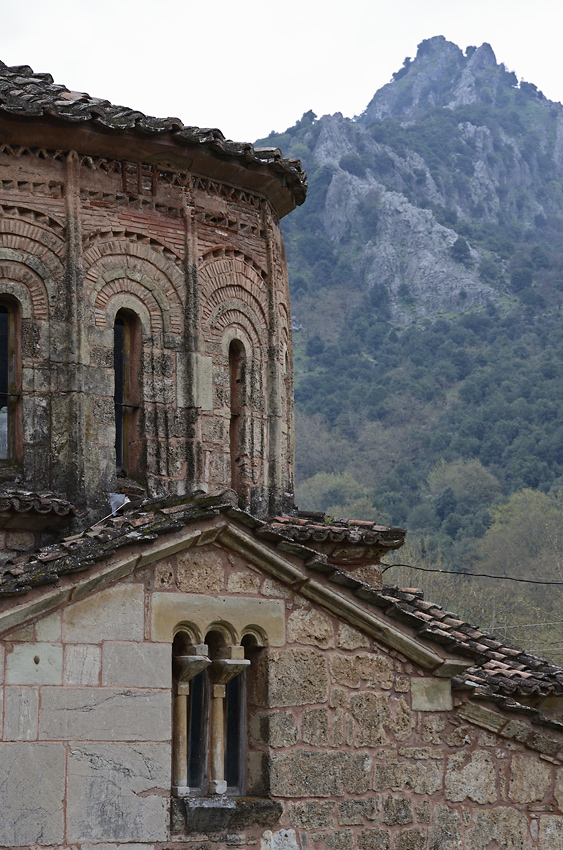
32,784
104,714
118,792
82,664
141,665
35,664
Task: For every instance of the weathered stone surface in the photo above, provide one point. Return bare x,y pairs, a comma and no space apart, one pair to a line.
350,638
505,826
170,609
283,839
354,812
116,613
371,710
200,568
529,779
418,777
277,729
32,783
314,727
309,626
397,810
295,677
551,833
23,634
113,792
104,714
35,664
271,587
311,815
21,707
373,839
432,727
424,812
311,774
339,839
350,670
431,695
252,812
445,829
140,665
82,664
403,722
471,776
48,628
243,582
409,839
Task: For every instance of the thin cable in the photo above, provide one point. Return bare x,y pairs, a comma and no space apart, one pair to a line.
473,575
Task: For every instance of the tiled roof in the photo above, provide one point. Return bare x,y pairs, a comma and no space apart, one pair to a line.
316,528
27,511
500,671
24,93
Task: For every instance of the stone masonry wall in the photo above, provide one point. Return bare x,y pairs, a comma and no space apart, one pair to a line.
200,263
363,750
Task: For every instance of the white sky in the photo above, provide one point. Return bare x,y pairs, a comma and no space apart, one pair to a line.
249,68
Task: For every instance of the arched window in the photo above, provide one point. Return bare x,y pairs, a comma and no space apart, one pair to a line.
126,363
237,372
209,716
10,371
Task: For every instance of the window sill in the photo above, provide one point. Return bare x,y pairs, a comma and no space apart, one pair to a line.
212,814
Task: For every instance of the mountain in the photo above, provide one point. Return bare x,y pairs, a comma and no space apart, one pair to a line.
426,270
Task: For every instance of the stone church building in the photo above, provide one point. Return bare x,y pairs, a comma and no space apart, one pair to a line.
187,662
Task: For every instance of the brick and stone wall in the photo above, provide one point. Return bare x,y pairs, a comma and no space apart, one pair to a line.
200,262
362,749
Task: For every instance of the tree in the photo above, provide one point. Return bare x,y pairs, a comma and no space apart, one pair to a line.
460,251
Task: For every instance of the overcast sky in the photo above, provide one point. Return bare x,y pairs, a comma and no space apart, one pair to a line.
249,68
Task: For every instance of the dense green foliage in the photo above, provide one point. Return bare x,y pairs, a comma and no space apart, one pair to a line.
438,423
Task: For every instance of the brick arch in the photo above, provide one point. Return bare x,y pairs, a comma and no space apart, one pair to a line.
138,293
136,268
26,285
223,272
232,318
38,251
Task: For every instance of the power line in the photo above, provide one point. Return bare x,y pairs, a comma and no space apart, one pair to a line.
473,575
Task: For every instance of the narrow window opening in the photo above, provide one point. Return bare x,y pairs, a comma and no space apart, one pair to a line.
126,362
237,372
9,383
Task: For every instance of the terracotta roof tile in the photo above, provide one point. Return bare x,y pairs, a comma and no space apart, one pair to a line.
22,92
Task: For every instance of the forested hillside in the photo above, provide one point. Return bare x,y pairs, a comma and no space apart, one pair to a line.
426,271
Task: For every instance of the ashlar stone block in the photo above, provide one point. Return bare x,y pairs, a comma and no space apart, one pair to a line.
116,792
116,613
104,714
82,664
431,695
197,569
35,664
32,785
20,714
49,628
141,665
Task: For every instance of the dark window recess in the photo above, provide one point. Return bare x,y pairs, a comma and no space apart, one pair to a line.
237,373
126,364
197,732
235,719
119,356
4,383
